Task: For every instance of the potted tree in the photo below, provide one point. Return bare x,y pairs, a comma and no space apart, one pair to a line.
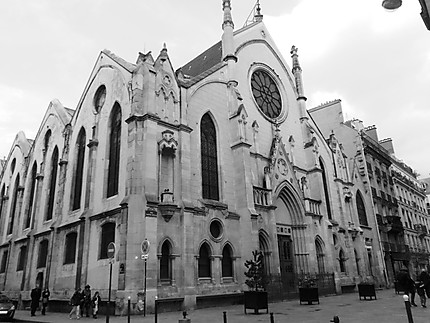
256,297
308,289
366,288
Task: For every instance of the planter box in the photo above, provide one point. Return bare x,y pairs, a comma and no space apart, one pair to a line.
309,295
366,291
256,301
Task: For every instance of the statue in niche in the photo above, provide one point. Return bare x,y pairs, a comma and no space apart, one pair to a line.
304,186
267,182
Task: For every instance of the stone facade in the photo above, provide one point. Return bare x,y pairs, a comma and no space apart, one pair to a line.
194,162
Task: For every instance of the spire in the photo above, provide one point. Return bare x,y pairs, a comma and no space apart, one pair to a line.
227,36
297,71
228,20
258,16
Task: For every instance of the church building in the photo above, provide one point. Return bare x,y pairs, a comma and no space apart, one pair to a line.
187,171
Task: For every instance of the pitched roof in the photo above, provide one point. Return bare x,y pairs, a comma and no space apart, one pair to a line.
206,60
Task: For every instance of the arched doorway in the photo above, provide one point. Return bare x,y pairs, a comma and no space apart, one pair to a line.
291,237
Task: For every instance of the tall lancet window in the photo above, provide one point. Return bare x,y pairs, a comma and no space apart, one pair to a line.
361,209
52,184
114,150
14,205
31,197
325,186
167,149
209,158
79,170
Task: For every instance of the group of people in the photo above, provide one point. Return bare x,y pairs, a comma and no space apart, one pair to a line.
35,295
82,301
410,287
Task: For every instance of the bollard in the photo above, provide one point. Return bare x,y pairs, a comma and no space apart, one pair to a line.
185,319
408,308
224,315
272,320
156,310
128,309
335,319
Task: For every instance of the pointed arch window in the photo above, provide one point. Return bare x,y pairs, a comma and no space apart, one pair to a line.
79,170
31,197
361,209
342,261
43,254
166,262
107,236
114,150
3,262
204,262
320,256
227,262
46,141
52,184
209,158
264,249
70,248
325,186
21,258
1,200
14,205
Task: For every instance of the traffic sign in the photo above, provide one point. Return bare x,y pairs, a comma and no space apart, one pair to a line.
145,247
111,250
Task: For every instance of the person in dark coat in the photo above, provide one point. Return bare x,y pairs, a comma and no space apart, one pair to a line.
407,284
45,300
424,280
86,301
35,298
96,303
76,301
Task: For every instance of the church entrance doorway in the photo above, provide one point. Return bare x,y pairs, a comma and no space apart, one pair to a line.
286,263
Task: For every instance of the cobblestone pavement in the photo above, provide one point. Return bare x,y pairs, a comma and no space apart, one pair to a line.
387,308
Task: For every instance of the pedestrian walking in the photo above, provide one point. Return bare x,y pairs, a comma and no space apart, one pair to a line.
45,300
95,302
35,298
86,301
424,286
75,301
406,284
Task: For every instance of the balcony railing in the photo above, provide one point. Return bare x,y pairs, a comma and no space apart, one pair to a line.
313,206
262,196
394,223
421,229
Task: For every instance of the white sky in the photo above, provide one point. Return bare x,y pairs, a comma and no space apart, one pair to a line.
376,62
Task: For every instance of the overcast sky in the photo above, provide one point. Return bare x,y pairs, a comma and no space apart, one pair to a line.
376,62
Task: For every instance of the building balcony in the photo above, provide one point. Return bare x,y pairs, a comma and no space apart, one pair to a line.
262,196
421,229
394,224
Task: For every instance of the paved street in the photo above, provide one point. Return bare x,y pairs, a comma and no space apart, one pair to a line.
388,308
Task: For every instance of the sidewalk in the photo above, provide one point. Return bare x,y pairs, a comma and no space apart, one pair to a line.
387,308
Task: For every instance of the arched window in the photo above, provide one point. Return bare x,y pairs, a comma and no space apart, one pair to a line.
3,261
79,170
325,186
204,261
1,201
165,262
14,204
357,262
12,166
361,210
264,248
46,141
31,197
227,262
342,261
114,150
70,248
52,184
21,258
43,254
320,256
107,236
209,158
